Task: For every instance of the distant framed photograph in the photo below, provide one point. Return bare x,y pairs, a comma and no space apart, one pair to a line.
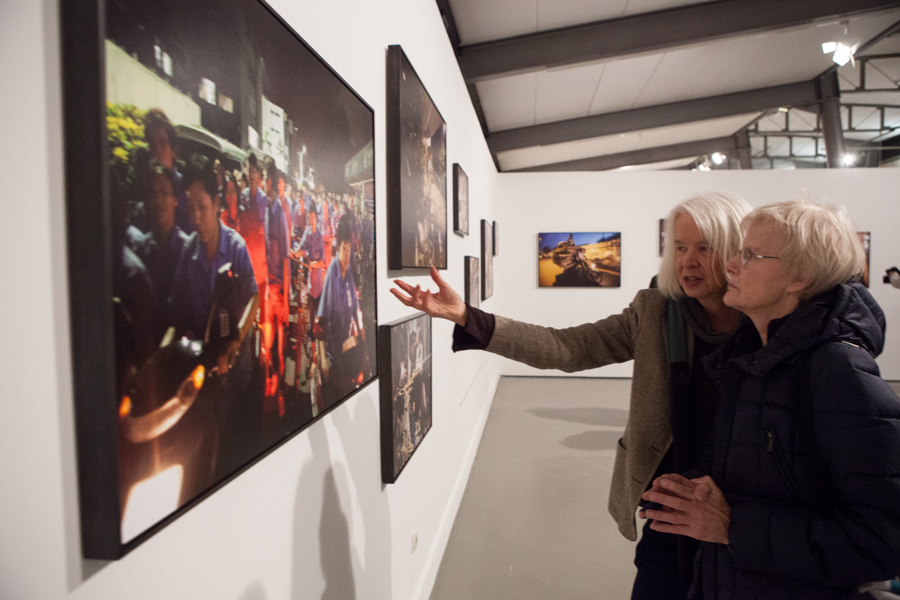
406,391
865,238
496,243
473,281
579,259
204,142
662,236
416,170
460,200
487,260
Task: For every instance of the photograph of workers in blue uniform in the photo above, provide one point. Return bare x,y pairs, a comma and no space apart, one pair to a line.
231,331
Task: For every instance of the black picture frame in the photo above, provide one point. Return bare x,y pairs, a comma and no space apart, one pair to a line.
416,162
487,260
460,200
103,180
405,392
472,281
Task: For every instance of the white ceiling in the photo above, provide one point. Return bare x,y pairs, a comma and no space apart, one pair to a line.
485,20
694,71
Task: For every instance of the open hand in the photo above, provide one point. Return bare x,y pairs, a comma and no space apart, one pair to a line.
445,304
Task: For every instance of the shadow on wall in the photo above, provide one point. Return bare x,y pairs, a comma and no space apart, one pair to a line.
339,570
610,417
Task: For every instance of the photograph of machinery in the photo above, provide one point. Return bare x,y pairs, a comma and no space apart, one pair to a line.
579,259
241,199
416,170
405,390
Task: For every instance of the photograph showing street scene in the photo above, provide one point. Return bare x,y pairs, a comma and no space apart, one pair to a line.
242,196
406,393
579,259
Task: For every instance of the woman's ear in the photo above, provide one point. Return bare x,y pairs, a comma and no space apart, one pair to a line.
798,285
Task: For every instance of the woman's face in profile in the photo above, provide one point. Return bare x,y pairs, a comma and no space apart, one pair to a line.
760,289
699,268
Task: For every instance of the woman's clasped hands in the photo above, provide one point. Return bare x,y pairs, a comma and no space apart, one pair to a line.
692,507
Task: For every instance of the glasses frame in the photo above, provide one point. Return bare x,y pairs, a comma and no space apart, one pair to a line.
747,254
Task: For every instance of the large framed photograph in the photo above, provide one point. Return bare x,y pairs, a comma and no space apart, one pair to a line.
460,200
473,281
487,260
220,206
579,259
416,170
406,395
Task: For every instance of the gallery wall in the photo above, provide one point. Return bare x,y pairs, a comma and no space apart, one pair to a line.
632,202
310,520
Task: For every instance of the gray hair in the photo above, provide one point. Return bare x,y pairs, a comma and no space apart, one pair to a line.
821,245
718,216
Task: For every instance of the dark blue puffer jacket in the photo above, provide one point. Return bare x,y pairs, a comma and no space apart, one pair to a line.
807,453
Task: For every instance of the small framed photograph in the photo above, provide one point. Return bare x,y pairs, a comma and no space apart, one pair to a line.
579,259
865,238
487,260
405,362
662,236
496,243
460,200
473,281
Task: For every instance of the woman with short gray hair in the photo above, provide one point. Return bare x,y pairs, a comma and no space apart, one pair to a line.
666,332
801,496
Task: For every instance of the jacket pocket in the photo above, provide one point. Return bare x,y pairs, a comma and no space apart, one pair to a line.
788,479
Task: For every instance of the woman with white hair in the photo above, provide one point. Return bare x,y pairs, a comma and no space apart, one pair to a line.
666,331
801,494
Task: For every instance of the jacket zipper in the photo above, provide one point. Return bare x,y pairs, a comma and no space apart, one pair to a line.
774,448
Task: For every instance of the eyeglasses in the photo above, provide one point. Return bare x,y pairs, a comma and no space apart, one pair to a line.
746,255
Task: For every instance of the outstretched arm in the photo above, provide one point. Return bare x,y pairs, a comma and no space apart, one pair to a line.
443,304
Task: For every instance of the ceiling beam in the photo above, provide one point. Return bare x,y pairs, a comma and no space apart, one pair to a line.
650,32
731,144
662,115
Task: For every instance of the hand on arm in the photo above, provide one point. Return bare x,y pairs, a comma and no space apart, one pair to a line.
693,507
445,304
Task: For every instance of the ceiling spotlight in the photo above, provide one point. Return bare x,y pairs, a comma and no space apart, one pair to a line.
849,159
842,52
718,158
703,167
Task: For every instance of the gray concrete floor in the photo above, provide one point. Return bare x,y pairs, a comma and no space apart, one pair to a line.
533,522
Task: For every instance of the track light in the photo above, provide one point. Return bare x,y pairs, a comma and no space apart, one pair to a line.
718,158
849,159
842,52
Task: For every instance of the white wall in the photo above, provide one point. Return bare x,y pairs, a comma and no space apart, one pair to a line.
633,202
312,519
